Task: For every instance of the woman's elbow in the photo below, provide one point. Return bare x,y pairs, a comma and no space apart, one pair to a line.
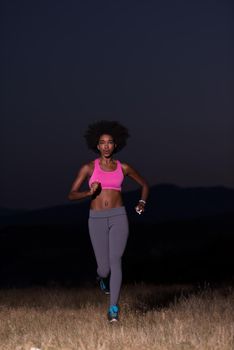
70,196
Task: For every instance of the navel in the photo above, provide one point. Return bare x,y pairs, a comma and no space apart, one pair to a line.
106,203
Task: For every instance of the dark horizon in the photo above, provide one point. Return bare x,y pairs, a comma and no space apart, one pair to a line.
126,193
166,202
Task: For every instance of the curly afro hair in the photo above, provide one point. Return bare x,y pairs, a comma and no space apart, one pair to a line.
113,128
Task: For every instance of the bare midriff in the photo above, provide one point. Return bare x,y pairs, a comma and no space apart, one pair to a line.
107,199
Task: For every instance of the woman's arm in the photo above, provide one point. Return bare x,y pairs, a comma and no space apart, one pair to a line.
82,175
129,171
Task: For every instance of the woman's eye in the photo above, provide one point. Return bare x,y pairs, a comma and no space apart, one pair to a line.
102,142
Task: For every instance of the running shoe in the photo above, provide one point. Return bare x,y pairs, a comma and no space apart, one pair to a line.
103,284
113,313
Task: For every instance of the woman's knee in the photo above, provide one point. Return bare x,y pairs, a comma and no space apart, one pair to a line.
103,271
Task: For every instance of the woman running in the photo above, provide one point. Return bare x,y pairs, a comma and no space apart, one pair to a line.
108,222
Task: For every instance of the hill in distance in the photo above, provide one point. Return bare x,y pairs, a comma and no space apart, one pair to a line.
166,202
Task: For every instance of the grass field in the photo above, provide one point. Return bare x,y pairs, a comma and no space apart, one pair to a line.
176,317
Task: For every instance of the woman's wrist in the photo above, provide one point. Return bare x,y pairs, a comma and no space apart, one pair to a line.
142,201
89,193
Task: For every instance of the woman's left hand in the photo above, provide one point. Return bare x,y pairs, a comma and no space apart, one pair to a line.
140,208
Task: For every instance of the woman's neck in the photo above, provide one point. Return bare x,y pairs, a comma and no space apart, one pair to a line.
106,161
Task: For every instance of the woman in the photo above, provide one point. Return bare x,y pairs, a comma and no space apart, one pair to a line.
108,222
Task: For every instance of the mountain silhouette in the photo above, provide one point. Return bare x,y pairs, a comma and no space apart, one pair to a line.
166,202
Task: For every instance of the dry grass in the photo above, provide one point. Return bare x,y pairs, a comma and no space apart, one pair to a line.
152,317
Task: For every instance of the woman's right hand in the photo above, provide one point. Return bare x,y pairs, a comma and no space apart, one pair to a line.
95,186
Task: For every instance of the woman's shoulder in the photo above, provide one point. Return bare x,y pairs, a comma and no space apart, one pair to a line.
124,164
91,162
89,166
125,167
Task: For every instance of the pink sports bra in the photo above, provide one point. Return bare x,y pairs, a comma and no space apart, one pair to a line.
108,179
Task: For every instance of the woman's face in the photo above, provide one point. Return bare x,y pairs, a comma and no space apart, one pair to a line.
106,145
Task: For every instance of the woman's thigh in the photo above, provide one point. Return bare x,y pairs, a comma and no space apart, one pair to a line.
118,235
99,235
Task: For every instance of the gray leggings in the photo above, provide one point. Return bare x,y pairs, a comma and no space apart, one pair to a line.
108,230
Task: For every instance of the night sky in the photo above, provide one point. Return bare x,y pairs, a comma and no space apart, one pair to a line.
162,68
